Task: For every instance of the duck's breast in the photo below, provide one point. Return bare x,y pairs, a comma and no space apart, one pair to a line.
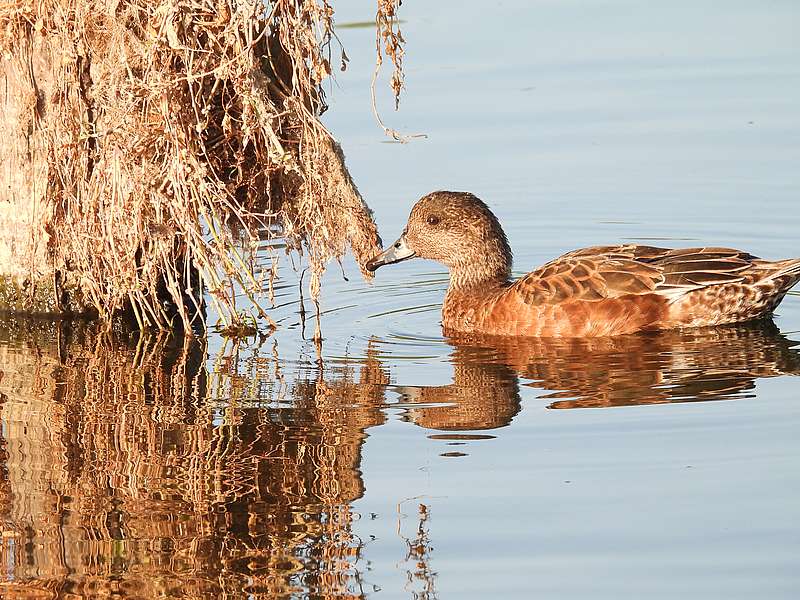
508,314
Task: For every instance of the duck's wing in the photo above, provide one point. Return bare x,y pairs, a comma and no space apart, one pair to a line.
601,272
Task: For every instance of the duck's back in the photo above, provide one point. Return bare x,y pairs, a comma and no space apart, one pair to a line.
612,290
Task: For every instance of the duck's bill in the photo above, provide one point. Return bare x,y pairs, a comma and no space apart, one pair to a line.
393,254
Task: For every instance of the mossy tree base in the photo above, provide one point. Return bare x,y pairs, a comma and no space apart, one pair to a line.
44,299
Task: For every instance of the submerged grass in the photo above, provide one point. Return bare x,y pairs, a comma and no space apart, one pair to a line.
168,136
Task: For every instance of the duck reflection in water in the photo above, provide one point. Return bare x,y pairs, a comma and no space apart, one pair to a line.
671,366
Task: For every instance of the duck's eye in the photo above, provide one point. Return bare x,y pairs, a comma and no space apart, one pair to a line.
433,220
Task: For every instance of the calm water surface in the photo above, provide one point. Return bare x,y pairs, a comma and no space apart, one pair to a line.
400,463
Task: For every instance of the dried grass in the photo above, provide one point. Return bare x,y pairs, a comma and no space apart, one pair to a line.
176,136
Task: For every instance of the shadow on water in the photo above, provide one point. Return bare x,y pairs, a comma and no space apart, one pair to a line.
129,466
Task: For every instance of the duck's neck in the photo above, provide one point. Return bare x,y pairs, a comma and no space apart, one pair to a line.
482,265
486,271
472,288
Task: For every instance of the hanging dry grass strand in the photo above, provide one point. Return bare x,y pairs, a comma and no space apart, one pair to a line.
389,36
389,41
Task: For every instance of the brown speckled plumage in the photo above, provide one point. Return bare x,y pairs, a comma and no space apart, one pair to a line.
598,291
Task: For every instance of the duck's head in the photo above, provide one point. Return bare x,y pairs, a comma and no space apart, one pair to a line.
458,230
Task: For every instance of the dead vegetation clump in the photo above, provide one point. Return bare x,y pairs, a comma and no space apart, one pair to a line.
162,142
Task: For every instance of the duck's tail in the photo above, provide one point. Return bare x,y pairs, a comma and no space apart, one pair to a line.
787,271
769,281
779,278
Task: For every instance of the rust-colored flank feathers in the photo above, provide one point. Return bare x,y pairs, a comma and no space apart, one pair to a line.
598,291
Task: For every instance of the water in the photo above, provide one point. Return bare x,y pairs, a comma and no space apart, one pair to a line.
398,463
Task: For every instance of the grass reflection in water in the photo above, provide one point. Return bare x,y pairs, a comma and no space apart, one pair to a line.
118,476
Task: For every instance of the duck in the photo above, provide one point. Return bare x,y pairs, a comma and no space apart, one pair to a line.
591,292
